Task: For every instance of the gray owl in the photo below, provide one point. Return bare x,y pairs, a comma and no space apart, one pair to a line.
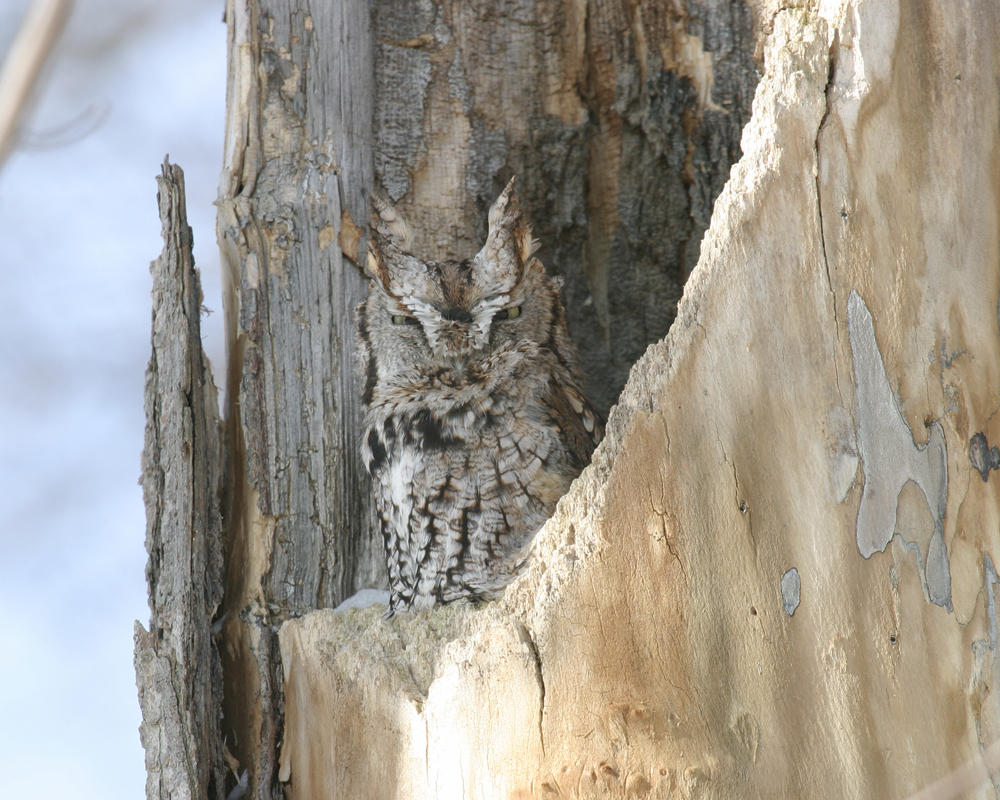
475,423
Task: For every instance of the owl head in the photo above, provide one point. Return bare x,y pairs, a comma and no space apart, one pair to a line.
442,312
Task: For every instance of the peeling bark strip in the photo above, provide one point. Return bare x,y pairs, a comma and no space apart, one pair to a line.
177,664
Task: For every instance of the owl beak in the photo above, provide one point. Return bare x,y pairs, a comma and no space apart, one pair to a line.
457,314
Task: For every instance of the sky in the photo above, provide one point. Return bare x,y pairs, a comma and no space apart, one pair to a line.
129,82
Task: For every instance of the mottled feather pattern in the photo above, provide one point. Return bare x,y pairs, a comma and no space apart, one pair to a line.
476,423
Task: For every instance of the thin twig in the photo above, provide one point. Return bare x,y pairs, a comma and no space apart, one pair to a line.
39,31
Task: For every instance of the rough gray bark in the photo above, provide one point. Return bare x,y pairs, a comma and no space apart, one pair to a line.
621,122
178,671
620,119
297,172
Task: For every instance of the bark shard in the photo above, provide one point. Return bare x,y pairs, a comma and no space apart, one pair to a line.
177,663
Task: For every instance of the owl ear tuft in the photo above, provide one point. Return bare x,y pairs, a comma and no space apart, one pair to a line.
509,243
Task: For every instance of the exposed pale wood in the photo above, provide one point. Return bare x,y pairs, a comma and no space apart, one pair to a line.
178,671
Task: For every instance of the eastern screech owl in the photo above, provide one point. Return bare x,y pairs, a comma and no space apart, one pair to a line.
475,423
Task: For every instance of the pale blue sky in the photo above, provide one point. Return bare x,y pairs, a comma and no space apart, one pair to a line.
78,228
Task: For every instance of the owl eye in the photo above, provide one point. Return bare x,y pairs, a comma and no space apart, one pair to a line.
508,313
402,319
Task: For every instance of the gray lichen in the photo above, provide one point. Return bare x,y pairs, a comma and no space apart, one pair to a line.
890,458
791,590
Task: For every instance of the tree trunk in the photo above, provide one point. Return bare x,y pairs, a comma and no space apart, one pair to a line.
621,121
297,172
777,578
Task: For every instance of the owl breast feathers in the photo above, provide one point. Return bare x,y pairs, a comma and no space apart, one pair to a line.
475,423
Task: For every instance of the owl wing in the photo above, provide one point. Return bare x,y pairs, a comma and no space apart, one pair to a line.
580,426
